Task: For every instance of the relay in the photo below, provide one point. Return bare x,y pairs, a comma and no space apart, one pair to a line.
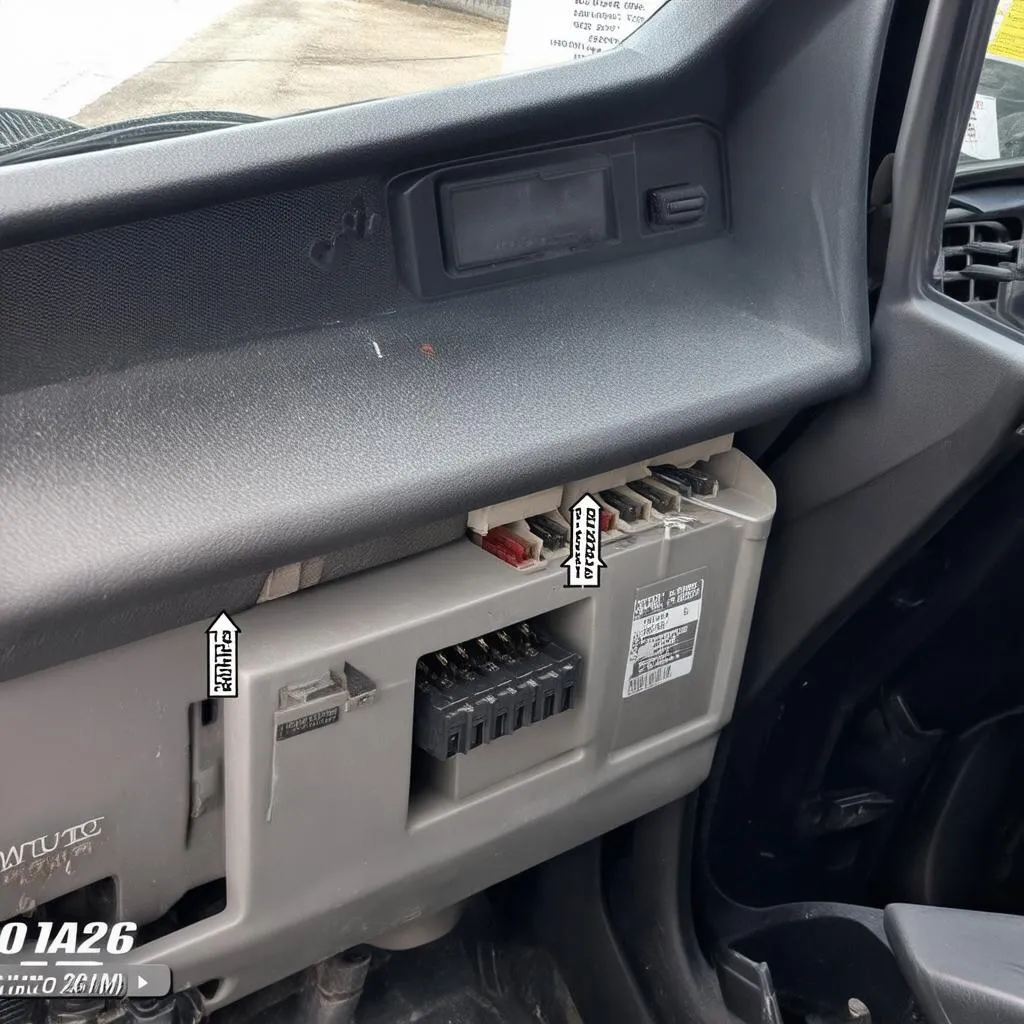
491,686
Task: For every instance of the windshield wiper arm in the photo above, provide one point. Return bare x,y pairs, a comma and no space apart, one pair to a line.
70,140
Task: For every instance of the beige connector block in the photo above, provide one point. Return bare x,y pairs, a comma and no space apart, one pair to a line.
682,457
559,500
483,519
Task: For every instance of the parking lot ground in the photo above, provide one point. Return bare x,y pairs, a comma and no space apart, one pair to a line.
274,57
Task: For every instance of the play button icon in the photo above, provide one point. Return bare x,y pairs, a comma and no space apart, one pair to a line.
148,980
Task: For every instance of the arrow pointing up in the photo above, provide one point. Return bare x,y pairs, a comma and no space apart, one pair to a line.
221,623
222,657
584,564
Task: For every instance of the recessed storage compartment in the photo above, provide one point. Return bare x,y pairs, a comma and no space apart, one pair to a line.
533,214
490,221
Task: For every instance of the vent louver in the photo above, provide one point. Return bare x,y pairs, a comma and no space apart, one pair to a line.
968,250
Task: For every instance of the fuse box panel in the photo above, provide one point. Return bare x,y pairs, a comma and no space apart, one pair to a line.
399,739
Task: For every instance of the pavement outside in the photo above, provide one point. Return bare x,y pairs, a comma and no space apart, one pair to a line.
274,57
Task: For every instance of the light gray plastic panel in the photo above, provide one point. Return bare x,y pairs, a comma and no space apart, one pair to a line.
103,743
329,839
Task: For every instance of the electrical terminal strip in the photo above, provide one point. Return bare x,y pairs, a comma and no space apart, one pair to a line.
490,687
637,499
532,532
524,532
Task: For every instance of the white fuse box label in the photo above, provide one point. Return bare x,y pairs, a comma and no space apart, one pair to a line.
664,634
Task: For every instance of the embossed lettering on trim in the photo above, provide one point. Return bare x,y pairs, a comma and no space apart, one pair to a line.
51,842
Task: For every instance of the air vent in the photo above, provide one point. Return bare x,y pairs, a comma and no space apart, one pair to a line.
962,247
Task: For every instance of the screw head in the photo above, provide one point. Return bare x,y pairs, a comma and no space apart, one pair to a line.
857,1010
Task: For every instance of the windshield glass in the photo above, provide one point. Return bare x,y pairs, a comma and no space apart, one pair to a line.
157,68
996,127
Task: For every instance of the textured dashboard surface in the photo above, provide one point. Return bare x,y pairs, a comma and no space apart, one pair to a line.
192,399
286,446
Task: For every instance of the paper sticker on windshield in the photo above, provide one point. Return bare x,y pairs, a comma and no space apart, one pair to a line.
664,634
1007,39
542,32
981,140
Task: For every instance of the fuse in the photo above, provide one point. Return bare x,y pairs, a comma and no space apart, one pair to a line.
692,482
629,511
503,543
662,501
552,533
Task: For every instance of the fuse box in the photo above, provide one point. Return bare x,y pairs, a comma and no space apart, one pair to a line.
490,687
399,739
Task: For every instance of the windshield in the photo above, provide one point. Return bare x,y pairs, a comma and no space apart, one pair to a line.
72,69
996,127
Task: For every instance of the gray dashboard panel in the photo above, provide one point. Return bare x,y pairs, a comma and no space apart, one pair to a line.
182,415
